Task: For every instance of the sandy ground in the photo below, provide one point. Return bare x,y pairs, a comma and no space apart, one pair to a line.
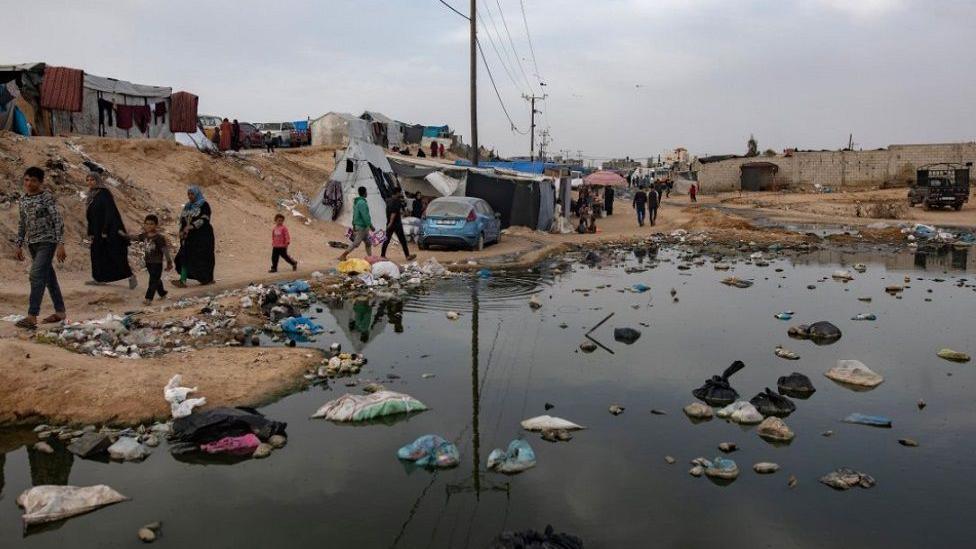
841,207
245,192
45,383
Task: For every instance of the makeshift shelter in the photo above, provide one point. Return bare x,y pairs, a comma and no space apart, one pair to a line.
197,139
362,165
412,134
758,176
386,132
20,97
524,201
429,178
339,129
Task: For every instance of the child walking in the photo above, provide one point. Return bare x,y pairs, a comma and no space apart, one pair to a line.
157,249
280,239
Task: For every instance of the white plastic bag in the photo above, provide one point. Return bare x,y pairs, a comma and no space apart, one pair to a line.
51,503
540,423
179,405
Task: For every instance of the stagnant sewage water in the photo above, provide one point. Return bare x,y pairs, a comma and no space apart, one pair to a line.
342,486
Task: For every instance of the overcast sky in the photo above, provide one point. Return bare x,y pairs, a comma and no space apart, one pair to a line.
625,77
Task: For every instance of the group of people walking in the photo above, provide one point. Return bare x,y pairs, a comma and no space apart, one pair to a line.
646,203
40,232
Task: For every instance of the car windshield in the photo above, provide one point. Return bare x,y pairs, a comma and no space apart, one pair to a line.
288,126
448,208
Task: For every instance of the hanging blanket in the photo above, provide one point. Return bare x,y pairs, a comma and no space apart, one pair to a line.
61,89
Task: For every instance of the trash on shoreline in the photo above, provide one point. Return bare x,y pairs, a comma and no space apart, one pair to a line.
180,406
128,449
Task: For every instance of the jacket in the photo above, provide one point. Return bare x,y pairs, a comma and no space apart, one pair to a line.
280,237
40,221
360,214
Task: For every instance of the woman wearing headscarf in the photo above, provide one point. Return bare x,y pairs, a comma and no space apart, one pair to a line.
196,256
109,250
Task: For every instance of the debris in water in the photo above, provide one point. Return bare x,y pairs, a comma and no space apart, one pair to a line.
908,442
871,421
954,356
616,409
846,478
854,372
765,468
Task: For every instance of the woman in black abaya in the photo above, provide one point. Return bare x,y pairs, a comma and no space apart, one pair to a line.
196,256
109,250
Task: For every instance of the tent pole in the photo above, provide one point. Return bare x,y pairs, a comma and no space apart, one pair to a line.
474,83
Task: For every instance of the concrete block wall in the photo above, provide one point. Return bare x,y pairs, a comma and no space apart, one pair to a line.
894,165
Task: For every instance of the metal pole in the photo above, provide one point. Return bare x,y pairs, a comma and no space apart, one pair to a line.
474,83
532,133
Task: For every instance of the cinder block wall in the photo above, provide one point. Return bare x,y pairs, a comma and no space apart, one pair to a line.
895,165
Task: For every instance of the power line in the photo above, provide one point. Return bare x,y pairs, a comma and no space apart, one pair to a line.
494,25
495,47
498,95
529,36
511,42
450,7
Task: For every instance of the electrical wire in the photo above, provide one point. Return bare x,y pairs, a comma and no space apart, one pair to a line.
491,19
491,40
511,42
498,95
450,7
529,36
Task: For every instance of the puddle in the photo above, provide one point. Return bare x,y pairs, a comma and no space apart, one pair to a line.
501,362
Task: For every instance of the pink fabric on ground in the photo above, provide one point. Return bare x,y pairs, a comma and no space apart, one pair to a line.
241,445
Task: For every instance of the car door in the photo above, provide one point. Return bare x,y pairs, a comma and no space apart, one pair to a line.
491,223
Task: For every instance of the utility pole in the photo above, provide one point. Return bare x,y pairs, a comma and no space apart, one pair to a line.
474,83
531,99
543,144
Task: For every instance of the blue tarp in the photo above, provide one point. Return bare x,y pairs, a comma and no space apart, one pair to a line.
436,131
523,166
301,125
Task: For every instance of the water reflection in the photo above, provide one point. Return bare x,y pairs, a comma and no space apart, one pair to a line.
932,258
53,468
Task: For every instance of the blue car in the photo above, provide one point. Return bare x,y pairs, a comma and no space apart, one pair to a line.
459,221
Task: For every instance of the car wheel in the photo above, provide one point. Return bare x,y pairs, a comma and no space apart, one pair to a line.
480,244
957,207
422,245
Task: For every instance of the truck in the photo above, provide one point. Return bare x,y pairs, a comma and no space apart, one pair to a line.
941,185
285,134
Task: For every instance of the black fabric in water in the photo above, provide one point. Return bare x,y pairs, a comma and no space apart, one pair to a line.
716,391
212,425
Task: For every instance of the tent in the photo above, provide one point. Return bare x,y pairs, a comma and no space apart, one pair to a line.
362,165
101,97
519,200
197,139
385,131
339,129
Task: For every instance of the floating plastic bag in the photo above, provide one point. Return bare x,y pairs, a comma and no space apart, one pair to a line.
128,449
430,451
516,459
771,404
367,407
296,287
386,269
300,325
354,265
742,412
240,446
716,391
626,335
540,423
51,503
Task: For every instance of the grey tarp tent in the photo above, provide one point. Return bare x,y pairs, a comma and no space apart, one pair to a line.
430,179
338,129
525,201
361,165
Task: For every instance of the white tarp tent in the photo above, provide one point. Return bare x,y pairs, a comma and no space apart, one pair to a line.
394,129
197,139
115,92
359,156
339,129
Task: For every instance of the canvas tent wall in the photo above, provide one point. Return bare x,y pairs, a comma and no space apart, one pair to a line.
386,132
362,165
114,92
428,178
519,201
339,129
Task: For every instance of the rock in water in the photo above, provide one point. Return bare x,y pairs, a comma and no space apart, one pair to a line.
277,441
146,535
795,385
854,372
43,448
670,460
765,468
774,429
846,478
727,447
587,346
452,315
907,442
697,410
262,451
626,335
786,353
722,468
616,409
696,471
954,356
534,302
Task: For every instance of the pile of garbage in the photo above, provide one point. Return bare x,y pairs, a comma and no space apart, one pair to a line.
90,442
931,234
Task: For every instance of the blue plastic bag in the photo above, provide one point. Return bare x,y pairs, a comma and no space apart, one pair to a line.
641,288
518,458
484,273
300,325
296,287
430,451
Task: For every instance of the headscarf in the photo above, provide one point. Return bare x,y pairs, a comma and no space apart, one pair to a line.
99,186
197,198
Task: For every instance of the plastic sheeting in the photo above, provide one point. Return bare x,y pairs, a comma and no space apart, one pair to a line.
118,92
443,184
52,503
369,407
339,129
361,156
547,205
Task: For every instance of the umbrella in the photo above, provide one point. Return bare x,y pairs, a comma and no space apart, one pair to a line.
605,178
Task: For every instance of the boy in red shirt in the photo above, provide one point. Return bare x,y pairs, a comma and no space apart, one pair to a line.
280,239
